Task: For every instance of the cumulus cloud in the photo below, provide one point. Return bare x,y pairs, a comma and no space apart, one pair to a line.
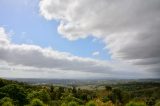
24,58
32,55
3,37
129,28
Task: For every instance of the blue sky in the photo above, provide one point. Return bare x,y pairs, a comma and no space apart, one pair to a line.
22,19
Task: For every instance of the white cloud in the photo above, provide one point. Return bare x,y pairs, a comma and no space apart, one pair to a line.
95,53
3,37
32,61
129,28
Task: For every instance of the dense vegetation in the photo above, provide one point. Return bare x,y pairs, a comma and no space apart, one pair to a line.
14,93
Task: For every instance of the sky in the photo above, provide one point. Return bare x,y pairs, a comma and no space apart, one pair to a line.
79,39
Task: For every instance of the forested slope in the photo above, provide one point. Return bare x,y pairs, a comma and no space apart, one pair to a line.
13,93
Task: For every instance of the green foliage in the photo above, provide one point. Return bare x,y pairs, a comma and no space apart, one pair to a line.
7,104
105,99
54,103
108,88
43,95
85,95
15,92
4,82
132,103
74,91
91,103
72,103
157,103
56,92
36,102
150,101
69,97
116,95
64,104
6,100
2,95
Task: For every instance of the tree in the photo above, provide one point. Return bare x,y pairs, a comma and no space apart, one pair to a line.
74,91
3,82
2,95
108,88
36,102
116,96
15,92
43,95
52,89
6,101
